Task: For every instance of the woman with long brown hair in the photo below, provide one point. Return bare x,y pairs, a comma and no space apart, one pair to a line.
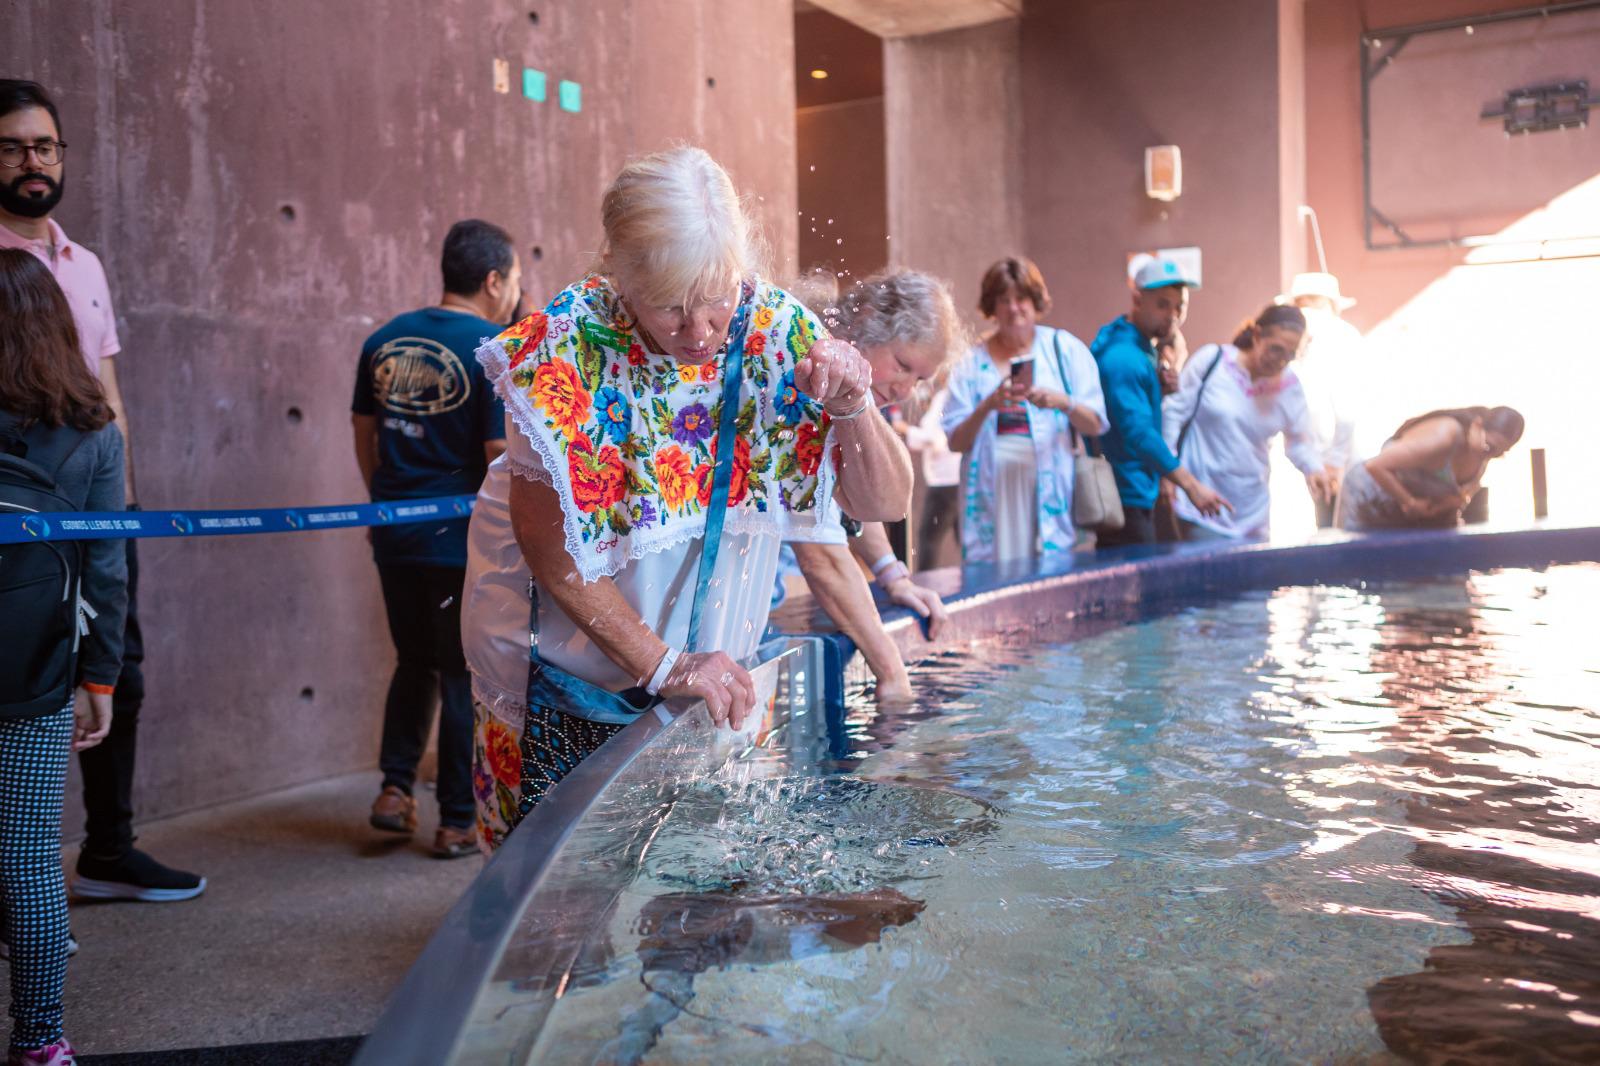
59,451
1427,473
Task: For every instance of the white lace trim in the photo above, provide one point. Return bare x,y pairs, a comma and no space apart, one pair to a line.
509,707
527,471
782,524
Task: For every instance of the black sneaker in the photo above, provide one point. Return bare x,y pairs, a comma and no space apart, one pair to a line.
133,875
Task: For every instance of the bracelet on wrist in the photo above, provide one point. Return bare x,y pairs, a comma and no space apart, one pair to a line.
887,559
866,402
99,690
895,571
662,672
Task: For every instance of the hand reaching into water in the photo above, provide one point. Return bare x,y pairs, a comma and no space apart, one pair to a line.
714,677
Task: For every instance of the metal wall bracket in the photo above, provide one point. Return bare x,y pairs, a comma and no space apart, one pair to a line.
1541,108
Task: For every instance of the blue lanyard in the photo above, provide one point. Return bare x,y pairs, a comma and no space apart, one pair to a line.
553,687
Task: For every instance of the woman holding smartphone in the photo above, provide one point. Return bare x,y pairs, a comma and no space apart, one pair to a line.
1016,404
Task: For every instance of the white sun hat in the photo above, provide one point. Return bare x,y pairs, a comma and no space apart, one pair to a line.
1317,283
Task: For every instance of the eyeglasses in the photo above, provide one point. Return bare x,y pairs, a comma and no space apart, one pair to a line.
14,154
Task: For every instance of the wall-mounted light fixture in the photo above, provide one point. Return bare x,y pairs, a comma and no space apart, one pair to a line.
819,73
1163,172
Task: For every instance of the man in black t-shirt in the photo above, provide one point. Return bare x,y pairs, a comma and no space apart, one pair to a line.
427,423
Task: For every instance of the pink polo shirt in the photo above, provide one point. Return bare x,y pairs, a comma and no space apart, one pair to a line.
78,272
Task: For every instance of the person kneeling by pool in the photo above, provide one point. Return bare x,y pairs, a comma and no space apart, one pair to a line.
671,419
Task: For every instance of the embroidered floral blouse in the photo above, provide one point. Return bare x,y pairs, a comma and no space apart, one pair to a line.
626,438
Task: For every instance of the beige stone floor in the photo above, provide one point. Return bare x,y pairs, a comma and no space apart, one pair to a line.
307,925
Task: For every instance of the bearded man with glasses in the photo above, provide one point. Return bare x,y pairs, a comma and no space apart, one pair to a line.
32,177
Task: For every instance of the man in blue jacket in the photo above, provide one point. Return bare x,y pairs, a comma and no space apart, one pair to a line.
1126,350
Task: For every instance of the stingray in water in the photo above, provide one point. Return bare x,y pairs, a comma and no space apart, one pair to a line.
687,933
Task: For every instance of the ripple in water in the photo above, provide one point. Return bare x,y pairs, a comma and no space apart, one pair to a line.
811,835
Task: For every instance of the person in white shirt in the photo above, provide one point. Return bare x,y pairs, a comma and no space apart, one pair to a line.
1329,370
1232,399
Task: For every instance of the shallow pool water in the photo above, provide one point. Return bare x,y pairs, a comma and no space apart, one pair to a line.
1316,824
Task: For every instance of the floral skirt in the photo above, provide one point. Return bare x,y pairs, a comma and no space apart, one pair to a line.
512,770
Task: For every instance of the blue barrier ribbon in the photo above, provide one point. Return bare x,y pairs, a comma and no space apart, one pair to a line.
117,525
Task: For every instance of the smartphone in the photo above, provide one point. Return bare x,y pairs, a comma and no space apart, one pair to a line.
1022,371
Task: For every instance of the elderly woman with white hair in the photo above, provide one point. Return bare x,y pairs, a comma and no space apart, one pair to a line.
671,419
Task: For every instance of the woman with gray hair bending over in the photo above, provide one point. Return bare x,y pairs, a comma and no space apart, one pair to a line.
671,418
905,324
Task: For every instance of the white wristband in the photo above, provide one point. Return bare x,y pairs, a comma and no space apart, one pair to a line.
866,402
885,560
891,573
663,670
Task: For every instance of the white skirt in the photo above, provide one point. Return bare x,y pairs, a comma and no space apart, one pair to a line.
1016,499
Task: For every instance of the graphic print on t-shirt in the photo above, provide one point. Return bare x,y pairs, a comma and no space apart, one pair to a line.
419,376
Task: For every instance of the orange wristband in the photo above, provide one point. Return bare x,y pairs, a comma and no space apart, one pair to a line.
99,690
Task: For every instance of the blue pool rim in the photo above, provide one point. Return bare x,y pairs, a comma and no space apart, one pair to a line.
425,1017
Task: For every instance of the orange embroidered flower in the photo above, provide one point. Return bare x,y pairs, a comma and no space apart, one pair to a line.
675,476
756,344
708,370
530,332
592,281
500,751
559,393
740,484
688,372
599,478
764,317
808,448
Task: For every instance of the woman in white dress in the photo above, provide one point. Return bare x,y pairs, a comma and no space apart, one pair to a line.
1232,399
1015,406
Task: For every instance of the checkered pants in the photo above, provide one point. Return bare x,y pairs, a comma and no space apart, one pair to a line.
33,776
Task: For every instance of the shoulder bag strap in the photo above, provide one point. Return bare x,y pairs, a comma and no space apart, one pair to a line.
722,476
1066,383
1184,432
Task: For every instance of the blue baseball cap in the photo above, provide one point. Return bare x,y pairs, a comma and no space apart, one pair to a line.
1160,273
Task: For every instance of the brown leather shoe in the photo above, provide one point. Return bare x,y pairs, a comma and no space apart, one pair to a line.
452,843
394,811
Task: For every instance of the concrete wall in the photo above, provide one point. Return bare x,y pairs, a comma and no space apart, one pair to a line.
266,184
1446,326
1104,79
844,219
955,132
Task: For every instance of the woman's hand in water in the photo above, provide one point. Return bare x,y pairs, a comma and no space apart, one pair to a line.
714,677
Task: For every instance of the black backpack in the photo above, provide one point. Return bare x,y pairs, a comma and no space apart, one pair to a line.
38,580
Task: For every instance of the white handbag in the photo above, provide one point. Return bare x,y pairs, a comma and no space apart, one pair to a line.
1096,503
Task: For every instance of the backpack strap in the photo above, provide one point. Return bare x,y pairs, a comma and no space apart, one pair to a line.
40,452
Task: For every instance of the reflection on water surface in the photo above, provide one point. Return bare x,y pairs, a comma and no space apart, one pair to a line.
1317,824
